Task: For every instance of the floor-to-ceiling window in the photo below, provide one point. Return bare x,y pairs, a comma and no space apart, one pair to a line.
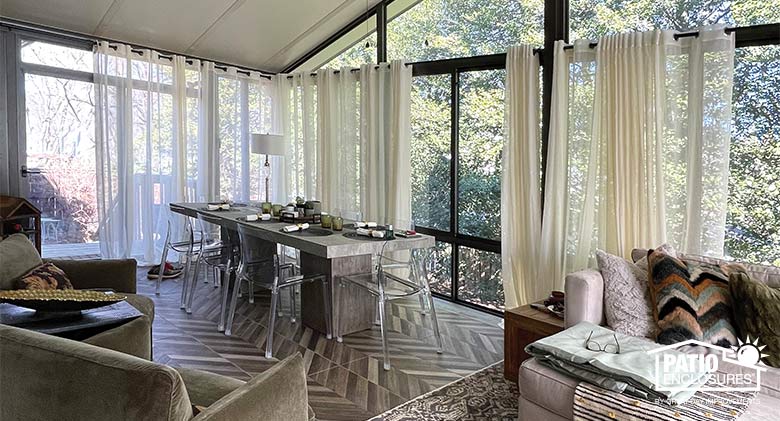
458,129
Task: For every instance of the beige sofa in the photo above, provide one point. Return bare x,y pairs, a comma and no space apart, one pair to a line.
546,394
44,377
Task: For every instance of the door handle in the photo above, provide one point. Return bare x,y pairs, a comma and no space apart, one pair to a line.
26,171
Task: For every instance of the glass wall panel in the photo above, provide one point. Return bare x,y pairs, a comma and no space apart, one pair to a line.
480,278
60,126
440,29
440,271
594,18
481,134
431,134
37,52
356,55
753,220
348,50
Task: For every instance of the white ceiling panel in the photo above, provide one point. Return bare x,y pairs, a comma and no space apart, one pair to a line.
170,24
258,29
261,34
75,15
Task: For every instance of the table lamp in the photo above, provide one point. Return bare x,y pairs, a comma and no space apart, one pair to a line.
267,144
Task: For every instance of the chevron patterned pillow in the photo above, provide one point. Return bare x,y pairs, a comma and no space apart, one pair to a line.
691,300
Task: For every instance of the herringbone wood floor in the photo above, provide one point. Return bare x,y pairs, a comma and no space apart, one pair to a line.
346,380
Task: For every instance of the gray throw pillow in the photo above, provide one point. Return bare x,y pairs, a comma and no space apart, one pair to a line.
17,257
627,305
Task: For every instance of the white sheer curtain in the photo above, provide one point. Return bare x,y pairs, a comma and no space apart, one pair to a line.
114,150
141,147
207,187
297,122
638,147
338,144
348,139
520,189
385,133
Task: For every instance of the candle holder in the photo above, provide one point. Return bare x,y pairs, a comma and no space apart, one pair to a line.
276,210
338,223
326,220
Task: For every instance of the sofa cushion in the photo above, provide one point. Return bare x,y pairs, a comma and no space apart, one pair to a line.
627,305
46,276
547,388
757,313
691,301
769,275
17,257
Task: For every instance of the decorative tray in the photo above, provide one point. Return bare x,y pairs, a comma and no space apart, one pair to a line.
288,217
60,300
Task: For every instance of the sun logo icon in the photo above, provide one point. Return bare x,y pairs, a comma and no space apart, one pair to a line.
749,352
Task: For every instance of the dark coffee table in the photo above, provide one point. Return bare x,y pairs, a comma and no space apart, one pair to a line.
73,325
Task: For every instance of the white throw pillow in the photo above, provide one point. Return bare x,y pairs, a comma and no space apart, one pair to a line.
627,305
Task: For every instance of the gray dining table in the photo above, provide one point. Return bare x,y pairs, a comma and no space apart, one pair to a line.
331,255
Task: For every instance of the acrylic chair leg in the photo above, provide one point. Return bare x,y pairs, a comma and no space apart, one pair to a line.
337,286
187,280
162,266
223,308
435,322
326,296
251,292
269,343
233,304
217,277
293,307
194,284
383,329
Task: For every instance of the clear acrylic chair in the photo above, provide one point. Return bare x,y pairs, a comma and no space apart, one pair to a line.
253,269
187,245
393,279
216,254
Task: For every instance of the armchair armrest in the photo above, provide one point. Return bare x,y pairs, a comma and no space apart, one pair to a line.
584,297
278,393
117,274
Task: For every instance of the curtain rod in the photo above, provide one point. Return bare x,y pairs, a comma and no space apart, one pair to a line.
376,66
536,51
677,36
189,61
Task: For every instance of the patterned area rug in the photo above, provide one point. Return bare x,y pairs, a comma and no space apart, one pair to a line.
484,395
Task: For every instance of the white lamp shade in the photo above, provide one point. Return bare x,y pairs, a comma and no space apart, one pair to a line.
268,144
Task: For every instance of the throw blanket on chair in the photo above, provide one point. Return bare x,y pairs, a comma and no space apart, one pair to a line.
595,403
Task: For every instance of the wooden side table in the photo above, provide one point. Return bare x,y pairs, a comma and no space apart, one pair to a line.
522,326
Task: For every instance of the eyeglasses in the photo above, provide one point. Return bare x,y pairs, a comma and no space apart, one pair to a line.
592,345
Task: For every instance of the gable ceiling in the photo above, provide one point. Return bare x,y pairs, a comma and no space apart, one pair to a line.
260,34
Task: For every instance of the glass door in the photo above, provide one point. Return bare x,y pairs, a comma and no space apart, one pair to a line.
57,154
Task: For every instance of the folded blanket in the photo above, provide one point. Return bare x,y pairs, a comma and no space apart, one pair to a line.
594,403
632,371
